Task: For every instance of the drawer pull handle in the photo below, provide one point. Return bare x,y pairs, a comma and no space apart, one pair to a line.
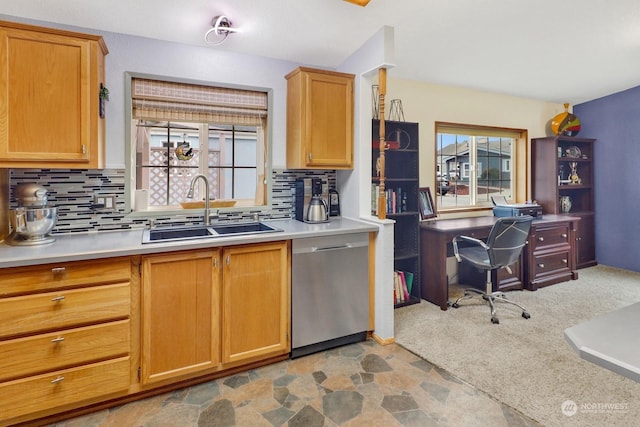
57,299
57,340
541,239
541,265
564,261
58,270
563,235
58,380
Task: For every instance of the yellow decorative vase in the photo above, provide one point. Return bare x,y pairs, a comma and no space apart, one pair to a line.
566,123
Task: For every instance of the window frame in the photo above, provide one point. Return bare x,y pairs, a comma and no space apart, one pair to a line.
130,152
519,160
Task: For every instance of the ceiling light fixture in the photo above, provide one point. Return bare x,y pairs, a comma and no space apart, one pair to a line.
362,3
221,28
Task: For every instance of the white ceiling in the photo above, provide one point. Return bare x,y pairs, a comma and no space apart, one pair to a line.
552,50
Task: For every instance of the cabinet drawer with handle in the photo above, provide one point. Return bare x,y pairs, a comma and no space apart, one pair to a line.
63,309
552,263
545,237
69,347
43,392
40,278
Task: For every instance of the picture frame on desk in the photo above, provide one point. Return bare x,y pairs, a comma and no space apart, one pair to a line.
425,202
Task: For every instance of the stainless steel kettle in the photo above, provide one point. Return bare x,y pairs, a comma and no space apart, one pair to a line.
317,211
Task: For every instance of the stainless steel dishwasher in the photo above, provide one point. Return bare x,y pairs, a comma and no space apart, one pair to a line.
329,292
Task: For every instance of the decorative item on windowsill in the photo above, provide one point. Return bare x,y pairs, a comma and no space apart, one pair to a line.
103,97
566,123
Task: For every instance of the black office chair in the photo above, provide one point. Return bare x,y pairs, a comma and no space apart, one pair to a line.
502,248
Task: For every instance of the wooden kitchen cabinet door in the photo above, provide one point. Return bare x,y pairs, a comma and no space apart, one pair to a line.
319,119
256,301
180,314
49,98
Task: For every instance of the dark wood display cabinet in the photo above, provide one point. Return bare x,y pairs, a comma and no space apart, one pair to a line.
401,184
563,184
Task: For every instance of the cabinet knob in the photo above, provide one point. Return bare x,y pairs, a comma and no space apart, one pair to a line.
228,260
310,156
57,340
541,239
57,380
541,265
564,261
58,298
215,262
563,235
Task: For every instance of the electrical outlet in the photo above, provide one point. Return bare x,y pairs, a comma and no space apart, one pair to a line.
104,202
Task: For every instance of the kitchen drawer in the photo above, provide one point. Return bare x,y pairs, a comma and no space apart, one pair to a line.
56,310
42,278
546,237
40,393
52,351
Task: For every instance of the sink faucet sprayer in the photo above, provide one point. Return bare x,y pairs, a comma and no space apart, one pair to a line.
207,221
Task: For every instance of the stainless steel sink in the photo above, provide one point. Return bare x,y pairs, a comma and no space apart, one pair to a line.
170,234
244,228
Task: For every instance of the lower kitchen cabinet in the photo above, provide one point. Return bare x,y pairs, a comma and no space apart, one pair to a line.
180,314
256,296
65,336
209,310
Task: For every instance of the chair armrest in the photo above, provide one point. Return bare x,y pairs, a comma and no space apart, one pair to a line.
468,239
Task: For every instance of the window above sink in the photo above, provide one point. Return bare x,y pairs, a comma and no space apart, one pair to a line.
179,129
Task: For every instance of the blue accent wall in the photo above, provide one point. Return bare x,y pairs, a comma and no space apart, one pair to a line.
614,121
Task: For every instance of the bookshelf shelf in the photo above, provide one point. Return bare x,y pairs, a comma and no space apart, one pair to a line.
401,184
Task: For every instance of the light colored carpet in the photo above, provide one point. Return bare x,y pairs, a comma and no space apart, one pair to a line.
527,364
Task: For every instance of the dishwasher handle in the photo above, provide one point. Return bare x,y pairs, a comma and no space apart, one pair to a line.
341,246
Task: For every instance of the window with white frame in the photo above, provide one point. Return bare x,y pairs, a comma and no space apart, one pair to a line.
481,163
180,130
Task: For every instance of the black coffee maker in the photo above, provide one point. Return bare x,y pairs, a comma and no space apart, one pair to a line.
311,201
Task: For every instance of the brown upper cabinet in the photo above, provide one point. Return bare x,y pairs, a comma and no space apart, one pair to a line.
319,119
50,86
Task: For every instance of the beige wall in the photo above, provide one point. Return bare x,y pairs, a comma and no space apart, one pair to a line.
427,103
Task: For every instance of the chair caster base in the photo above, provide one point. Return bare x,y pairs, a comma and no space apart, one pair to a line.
495,320
526,315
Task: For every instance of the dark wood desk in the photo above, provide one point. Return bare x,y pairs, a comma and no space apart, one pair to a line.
549,256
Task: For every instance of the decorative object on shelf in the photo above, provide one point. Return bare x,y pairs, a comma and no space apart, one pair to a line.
103,97
565,123
574,152
425,201
398,138
565,204
396,113
574,178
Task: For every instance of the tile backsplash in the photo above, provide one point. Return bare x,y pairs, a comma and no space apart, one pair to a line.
73,191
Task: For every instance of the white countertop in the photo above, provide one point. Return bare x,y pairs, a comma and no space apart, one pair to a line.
610,340
105,244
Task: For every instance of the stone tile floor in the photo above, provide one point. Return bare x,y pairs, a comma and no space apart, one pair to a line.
363,384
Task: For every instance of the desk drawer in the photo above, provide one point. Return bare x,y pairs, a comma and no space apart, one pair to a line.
552,263
546,237
48,352
58,310
44,392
